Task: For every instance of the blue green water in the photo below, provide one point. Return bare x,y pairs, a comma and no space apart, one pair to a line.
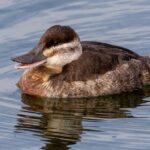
108,123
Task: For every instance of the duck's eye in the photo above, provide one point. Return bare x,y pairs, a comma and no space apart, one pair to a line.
55,42
51,43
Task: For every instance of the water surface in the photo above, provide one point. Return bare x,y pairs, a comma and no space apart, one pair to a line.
107,123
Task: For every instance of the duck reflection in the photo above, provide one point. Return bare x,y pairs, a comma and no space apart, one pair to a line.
59,121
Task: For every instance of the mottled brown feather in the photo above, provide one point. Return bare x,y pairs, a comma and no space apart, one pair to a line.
97,59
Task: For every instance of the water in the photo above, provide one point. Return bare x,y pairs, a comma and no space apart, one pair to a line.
108,123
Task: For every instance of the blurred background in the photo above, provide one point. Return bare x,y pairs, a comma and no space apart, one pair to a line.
108,123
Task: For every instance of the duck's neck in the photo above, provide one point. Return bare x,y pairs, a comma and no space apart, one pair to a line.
44,73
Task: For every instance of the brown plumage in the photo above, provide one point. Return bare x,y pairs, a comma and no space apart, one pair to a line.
71,68
97,59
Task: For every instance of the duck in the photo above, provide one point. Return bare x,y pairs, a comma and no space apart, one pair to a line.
63,66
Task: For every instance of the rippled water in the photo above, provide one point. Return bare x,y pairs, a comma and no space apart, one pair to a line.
107,123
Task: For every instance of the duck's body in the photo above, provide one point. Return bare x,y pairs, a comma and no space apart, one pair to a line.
89,69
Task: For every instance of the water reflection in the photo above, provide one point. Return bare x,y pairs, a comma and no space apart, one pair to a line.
59,122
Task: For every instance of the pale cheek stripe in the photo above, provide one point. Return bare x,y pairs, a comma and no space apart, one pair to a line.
67,46
66,53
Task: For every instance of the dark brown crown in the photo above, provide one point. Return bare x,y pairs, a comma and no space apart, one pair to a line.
57,34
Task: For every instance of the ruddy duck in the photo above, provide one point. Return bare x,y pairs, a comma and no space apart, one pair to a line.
62,66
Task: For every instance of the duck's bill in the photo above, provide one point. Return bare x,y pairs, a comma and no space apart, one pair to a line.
25,66
33,58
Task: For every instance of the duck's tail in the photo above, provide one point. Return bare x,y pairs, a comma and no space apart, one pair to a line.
146,70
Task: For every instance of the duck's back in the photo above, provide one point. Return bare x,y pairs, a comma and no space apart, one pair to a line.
97,59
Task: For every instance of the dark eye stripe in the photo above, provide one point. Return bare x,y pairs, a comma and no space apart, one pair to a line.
53,43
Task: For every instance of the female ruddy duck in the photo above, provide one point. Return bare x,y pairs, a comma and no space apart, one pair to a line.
63,66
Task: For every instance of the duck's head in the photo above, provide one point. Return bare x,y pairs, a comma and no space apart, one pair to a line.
58,46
